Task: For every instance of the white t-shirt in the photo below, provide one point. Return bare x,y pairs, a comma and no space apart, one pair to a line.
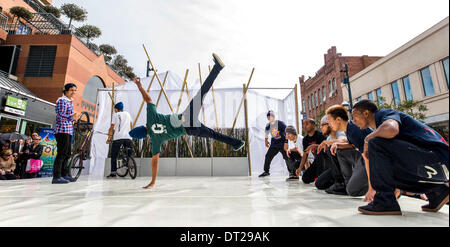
298,144
122,122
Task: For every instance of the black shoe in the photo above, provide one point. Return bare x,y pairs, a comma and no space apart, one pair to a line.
218,61
292,178
111,175
337,189
437,199
264,174
241,145
376,209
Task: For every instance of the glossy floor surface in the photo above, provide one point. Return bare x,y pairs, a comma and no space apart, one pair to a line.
191,202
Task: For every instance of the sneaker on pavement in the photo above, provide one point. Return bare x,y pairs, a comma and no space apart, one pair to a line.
337,189
292,178
59,181
112,175
70,179
264,174
376,209
437,199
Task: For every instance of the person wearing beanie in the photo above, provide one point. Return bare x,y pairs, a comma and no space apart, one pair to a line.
64,134
118,135
276,129
162,128
295,152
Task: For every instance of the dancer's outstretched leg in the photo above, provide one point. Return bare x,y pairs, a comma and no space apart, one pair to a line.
193,110
206,132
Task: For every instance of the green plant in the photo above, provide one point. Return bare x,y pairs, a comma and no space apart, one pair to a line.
73,12
108,51
52,10
90,32
20,12
415,109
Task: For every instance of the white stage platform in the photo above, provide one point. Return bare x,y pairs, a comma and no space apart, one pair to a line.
193,202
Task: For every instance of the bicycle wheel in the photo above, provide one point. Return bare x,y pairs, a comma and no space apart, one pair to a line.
132,168
76,166
122,169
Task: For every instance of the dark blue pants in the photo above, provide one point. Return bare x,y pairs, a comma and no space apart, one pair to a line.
399,164
193,126
115,149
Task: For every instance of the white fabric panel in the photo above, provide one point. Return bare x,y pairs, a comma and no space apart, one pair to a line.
227,103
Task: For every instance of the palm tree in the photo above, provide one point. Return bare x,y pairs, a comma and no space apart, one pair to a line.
73,12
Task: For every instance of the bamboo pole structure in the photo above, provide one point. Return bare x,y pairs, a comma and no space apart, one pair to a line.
165,95
164,84
247,132
142,104
201,84
182,90
242,100
297,119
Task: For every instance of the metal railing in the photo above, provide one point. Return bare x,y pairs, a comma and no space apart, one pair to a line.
3,21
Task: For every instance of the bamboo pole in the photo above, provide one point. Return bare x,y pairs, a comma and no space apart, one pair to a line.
142,104
297,119
201,84
242,100
247,132
182,90
164,84
165,95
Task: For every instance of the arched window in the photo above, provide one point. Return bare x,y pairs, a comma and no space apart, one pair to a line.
90,90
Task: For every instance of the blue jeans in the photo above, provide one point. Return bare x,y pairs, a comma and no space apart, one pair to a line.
192,125
395,163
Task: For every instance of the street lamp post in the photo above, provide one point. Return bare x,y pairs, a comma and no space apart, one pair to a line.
346,81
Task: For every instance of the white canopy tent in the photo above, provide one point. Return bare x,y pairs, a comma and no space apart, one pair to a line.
227,102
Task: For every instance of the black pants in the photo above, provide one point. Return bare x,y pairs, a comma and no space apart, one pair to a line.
293,163
399,164
321,163
193,125
353,171
115,149
271,153
64,145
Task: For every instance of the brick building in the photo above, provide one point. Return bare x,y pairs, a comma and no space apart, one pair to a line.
324,89
44,54
39,56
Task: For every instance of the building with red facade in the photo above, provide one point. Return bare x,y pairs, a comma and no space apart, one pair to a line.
43,54
324,89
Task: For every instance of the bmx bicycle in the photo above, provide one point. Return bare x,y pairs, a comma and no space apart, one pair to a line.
83,127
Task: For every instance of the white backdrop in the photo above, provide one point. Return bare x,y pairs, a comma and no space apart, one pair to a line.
227,102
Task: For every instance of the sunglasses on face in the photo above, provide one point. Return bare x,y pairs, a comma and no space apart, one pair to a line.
323,124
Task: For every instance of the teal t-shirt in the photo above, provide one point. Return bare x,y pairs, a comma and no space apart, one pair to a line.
162,128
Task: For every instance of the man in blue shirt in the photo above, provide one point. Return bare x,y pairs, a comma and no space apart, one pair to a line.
402,153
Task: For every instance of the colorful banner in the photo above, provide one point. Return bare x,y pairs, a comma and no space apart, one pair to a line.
48,140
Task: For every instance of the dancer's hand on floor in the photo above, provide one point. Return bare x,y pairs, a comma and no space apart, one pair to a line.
297,172
369,195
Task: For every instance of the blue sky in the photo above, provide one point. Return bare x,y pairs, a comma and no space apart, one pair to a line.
282,39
